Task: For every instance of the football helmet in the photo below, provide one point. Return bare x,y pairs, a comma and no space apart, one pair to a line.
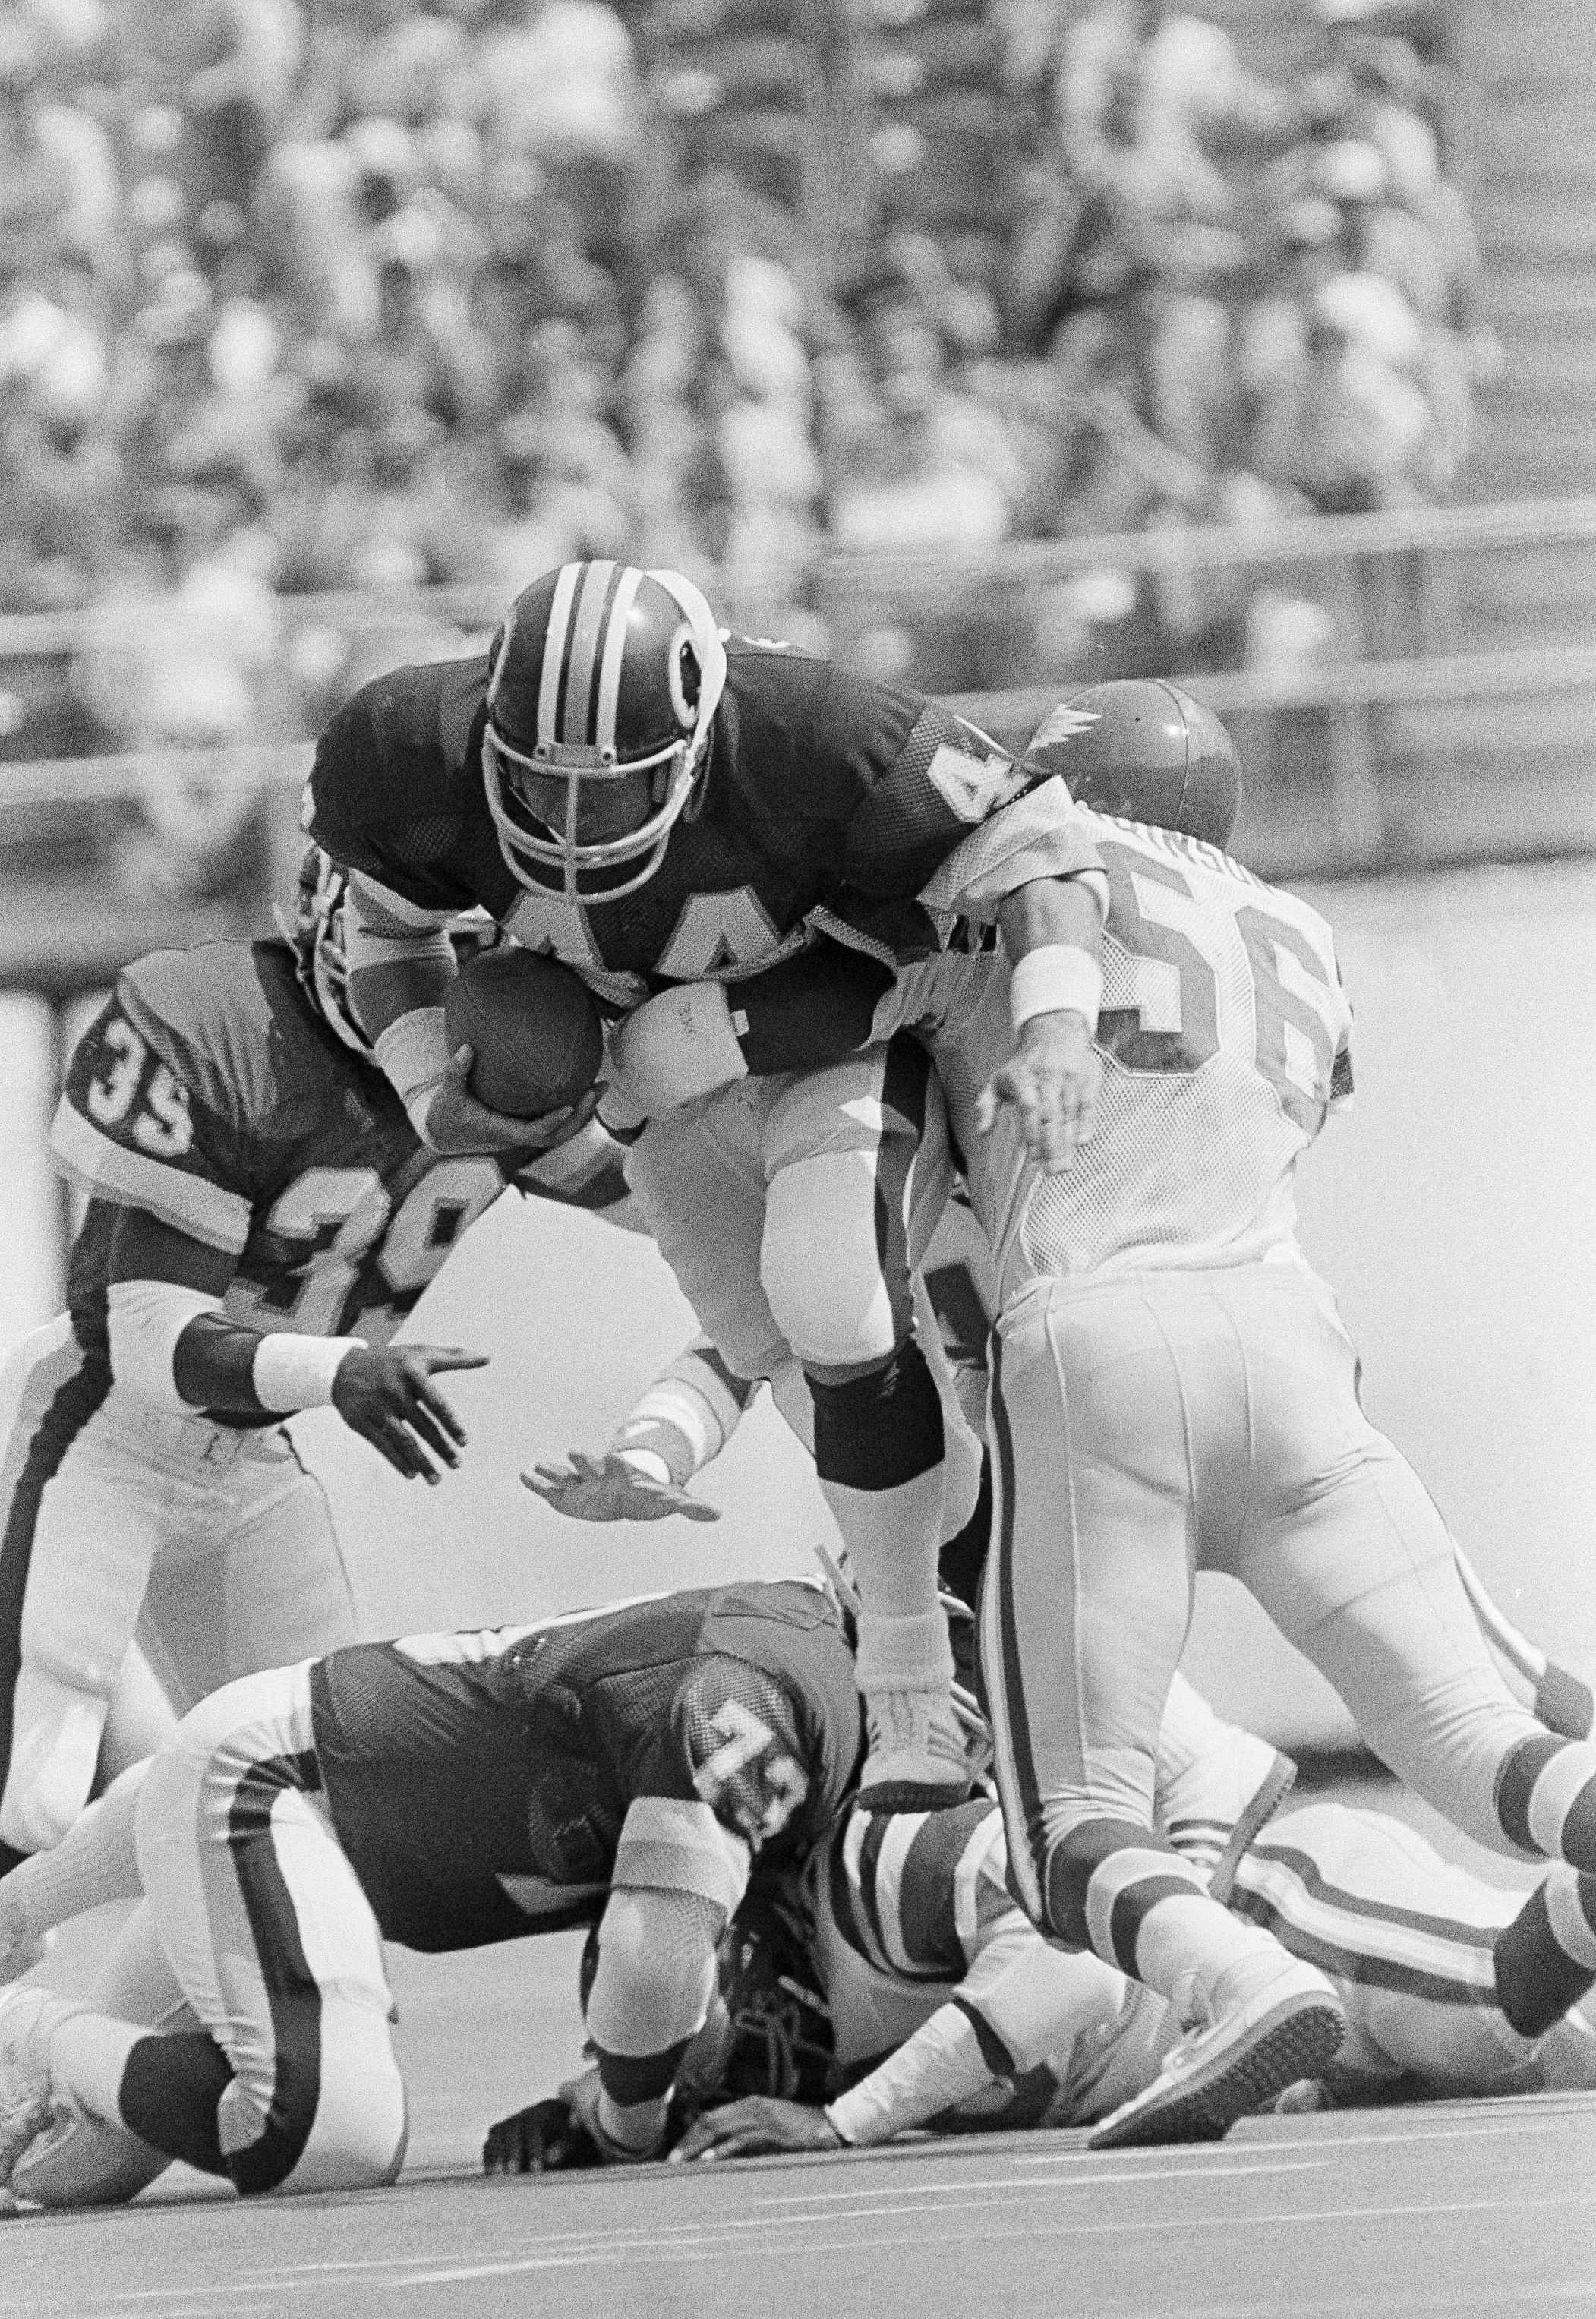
1152,754
599,672
768,2029
314,932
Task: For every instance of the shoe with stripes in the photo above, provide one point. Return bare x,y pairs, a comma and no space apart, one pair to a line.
917,1759
1270,2021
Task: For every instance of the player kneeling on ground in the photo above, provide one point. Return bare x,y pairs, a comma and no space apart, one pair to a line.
624,1765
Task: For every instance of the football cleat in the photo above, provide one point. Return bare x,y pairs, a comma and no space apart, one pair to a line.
28,2017
20,1949
918,1757
1213,1809
1268,2022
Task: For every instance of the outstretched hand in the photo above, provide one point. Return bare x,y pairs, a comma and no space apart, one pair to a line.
386,1395
612,1489
1054,1080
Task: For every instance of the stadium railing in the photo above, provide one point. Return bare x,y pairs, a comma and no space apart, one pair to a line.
1456,752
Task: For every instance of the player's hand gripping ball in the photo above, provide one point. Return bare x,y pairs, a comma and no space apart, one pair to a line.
534,1029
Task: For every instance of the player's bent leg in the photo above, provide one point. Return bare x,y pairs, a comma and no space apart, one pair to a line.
74,1557
698,1179
273,1946
858,1169
80,2161
286,1592
1083,1617
94,1863
1349,1556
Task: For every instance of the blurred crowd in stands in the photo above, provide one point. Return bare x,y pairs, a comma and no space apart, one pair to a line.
304,296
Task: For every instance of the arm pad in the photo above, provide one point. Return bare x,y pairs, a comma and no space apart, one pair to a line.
145,1320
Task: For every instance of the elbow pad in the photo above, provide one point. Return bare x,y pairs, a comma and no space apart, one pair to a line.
676,1048
144,1321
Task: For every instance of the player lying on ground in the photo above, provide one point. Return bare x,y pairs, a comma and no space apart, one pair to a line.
625,1765
261,1218
1170,1370
902,1979
1450,1985
657,803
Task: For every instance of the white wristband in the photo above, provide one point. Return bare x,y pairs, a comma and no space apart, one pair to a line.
291,1372
1058,978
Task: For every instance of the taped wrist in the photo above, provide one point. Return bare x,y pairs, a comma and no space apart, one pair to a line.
413,1055
942,2065
676,1048
1055,980
292,1372
144,1320
686,1417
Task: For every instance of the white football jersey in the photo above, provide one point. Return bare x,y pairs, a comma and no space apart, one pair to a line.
1225,1037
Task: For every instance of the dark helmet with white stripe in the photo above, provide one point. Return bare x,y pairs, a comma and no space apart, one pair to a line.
1148,752
601,673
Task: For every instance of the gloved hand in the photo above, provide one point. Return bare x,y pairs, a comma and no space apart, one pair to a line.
559,2136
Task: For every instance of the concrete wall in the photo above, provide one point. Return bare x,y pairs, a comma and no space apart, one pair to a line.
1454,1211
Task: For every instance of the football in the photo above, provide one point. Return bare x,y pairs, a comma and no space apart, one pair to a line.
534,1029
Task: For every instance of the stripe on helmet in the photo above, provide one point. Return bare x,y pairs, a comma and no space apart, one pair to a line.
579,677
554,650
614,653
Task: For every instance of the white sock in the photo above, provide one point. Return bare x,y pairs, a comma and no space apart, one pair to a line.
911,1654
93,1863
1187,1935
892,1537
88,2053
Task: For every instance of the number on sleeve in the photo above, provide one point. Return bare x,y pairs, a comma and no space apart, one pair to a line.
115,1083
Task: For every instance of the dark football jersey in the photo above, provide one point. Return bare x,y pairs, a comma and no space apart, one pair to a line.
487,1785
826,793
210,1093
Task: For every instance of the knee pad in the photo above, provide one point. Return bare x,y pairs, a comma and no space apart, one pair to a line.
880,1429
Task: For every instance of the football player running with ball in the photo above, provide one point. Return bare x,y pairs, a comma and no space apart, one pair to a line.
624,1767
657,804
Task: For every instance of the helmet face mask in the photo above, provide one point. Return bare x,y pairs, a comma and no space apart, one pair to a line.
601,674
315,934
